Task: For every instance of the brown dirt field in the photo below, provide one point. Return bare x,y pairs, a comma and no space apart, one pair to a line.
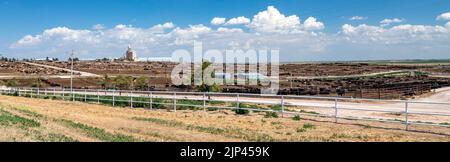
103,123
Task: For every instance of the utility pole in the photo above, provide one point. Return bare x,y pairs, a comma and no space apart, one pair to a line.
71,74
290,80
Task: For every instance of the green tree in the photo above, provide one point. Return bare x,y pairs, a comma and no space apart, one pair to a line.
38,83
205,87
76,59
107,82
123,82
142,83
12,83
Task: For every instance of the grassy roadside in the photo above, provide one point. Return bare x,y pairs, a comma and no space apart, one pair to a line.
103,123
8,119
228,132
98,133
30,127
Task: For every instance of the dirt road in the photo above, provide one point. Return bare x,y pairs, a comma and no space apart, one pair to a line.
81,73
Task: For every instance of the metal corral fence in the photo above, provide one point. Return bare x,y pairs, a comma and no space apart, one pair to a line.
284,105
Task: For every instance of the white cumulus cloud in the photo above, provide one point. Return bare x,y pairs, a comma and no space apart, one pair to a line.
218,21
395,35
358,18
27,40
167,25
443,16
312,24
271,20
268,29
222,29
238,21
98,27
387,22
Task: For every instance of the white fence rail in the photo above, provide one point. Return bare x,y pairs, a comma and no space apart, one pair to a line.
331,107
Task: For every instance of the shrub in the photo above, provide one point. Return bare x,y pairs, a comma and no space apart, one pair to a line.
276,107
296,117
309,112
308,126
241,111
212,108
215,102
193,105
157,103
444,123
271,115
300,130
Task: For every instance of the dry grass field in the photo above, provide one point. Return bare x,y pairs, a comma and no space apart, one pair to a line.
26,119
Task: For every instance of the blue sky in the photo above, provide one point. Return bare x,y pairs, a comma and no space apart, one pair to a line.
30,17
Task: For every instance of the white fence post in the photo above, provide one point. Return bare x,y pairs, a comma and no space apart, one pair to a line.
85,95
73,95
204,101
237,101
131,99
175,102
335,110
63,95
406,115
282,106
113,94
98,97
151,100
31,92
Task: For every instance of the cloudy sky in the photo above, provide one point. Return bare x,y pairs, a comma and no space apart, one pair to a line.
303,30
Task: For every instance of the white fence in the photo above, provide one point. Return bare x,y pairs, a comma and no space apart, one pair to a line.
404,111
